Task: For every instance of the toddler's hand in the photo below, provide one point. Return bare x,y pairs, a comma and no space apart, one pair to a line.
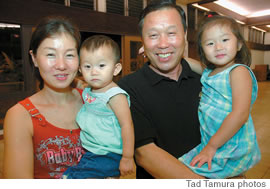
126,166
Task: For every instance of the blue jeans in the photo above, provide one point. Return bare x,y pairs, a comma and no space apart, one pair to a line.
95,166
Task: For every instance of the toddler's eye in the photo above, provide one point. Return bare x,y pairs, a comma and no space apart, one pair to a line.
102,65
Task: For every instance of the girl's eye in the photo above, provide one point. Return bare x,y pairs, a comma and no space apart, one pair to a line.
224,40
209,44
171,33
87,66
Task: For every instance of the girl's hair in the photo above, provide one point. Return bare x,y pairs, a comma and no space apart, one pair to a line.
48,27
156,5
96,41
243,56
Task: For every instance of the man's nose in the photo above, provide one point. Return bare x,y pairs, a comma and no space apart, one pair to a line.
163,41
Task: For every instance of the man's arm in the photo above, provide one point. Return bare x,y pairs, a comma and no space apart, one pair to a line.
160,164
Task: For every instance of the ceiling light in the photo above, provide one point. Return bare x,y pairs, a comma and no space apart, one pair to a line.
260,13
240,22
268,26
258,29
200,7
3,25
232,6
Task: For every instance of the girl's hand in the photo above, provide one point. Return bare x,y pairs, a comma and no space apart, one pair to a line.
126,166
205,156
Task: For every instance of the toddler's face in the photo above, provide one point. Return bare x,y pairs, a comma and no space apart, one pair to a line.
98,67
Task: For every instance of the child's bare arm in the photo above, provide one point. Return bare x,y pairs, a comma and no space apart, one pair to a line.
195,65
119,105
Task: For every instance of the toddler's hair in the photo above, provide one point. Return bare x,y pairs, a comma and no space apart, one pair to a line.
243,56
96,41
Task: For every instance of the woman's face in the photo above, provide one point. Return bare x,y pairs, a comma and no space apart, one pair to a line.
57,60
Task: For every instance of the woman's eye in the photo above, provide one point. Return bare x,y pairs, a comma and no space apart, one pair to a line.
70,55
51,55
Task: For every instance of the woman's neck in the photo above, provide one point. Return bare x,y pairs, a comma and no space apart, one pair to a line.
51,96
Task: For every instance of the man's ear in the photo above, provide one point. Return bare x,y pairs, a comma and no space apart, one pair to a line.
117,69
33,58
239,46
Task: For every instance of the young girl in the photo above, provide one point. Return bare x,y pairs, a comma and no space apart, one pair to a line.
105,119
228,141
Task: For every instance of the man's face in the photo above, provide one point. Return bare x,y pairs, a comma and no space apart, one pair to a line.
164,39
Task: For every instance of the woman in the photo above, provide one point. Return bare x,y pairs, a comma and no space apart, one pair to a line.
41,135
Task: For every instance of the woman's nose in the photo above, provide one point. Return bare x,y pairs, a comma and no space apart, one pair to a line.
60,64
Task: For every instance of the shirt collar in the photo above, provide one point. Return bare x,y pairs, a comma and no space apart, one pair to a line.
155,78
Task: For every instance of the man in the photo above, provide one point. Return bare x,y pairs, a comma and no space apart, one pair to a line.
164,96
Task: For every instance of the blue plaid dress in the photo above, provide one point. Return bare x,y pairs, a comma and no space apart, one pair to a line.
241,152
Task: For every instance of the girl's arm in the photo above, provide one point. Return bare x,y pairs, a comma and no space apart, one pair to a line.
18,145
119,105
195,65
241,84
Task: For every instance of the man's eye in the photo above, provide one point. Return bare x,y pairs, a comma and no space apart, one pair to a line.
153,36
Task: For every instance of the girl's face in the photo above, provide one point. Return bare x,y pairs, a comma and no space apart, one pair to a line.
220,45
57,61
98,67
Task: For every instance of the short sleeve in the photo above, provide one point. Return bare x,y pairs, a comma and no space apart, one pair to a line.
115,91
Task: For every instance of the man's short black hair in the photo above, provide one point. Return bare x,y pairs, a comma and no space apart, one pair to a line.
159,5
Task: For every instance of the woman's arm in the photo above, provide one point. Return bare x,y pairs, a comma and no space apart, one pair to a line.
241,84
18,145
119,105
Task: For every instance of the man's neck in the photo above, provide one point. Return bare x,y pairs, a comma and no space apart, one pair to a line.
172,74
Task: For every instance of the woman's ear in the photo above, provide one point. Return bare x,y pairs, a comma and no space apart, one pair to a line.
117,69
33,58
239,46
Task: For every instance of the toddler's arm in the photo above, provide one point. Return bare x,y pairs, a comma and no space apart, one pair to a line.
119,105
